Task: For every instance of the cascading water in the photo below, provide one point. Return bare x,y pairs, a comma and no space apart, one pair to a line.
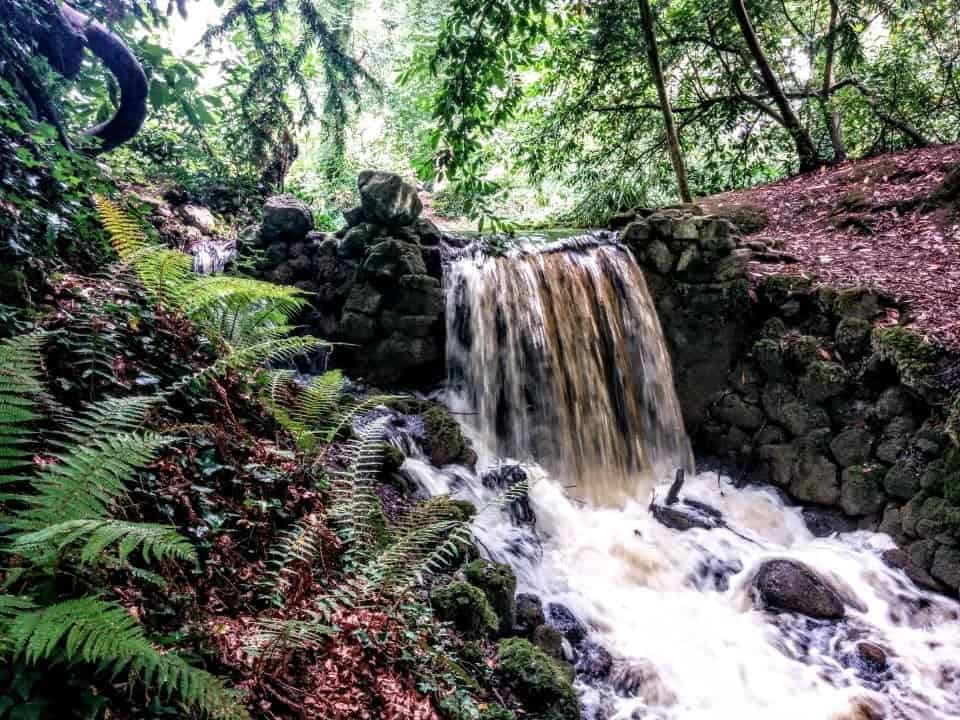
560,355
558,358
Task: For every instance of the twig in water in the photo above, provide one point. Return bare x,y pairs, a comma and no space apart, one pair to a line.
674,493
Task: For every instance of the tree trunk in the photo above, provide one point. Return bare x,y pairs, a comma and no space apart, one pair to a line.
948,191
806,152
830,111
673,141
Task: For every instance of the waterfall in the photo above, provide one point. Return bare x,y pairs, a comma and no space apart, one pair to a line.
560,356
556,357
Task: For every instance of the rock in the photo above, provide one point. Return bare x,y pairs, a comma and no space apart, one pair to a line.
734,410
852,447
658,255
387,200
538,680
946,566
499,584
502,478
798,417
394,258
684,516
815,478
857,303
823,380
428,232
466,607
895,439
898,559
199,217
861,491
357,327
563,619
419,295
529,614
445,443
286,218
790,586
274,254
639,678
922,552
416,326
690,257
353,216
827,521
748,217
892,403
363,298
903,479
770,356
781,459
636,233
433,260
852,337
357,240
550,641
871,657
594,661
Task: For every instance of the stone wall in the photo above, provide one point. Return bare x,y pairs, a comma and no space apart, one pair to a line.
695,273
811,389
375,286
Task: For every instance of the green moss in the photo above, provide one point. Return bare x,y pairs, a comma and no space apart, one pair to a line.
823,380
466,607
857,303
499,584
914,358
777,289
537,680
851,336
444,437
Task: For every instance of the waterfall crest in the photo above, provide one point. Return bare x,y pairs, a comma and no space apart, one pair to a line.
558,354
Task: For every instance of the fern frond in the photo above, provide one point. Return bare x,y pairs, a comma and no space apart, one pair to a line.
273,638
20,390
279,350
87,479
95,536
293,556
99,633
108,416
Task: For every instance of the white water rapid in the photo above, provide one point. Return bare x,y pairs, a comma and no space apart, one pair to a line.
676,610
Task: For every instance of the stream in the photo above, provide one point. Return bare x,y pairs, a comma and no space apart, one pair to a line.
557,363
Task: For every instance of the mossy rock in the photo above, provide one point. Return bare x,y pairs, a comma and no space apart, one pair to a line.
775,290
499,584
444,438
538,681
393,458
466,607
953,421
769,355
852,337
748,217
915,359
857,303
823,380
951,477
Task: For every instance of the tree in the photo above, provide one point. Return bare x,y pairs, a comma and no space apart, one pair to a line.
673,141
60,34
806,151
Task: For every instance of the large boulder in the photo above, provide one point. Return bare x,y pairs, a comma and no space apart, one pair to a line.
790,586
285,218
538,680
387,200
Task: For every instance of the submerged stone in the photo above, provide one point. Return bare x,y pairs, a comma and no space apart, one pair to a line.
790,586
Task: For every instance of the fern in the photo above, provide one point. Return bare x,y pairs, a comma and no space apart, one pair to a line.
106,636
294,556
273,638
20,390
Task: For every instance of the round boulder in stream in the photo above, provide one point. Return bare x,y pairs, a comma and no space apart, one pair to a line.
790,586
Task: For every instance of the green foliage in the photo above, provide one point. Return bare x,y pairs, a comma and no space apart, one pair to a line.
98,633
537,679
61,516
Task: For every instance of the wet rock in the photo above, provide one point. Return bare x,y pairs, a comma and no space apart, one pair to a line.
790,586
686,516
853,446
871,657
639,678
922,552
946,566
815,479
466,607
780,459
659,256
550,640
504,477
199,217
563,619
538,680
285,218
357,240
861,490
499,584
714,573
827,521
898,559
594,661
529,614
386,199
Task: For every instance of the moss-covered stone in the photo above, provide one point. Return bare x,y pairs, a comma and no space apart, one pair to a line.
914,358
857,303
852,337
852,446
393,458
951,477
861,490
823,380
769,355
447,443
903,479
466,607
499,584
538,680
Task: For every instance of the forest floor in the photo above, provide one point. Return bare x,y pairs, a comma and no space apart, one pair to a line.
864,223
